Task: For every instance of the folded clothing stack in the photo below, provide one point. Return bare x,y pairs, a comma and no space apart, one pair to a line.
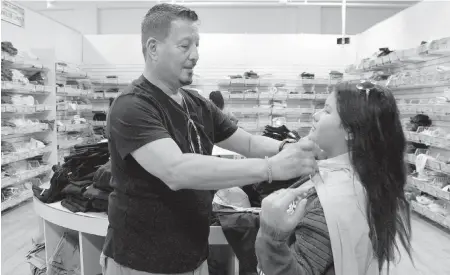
9,48
80,173
37,79
384,52
306,75
251,74
419,120
335,75
7,74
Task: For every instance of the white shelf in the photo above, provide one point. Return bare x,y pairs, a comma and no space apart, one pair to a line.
67,144
431,164
29,129
428,188
26,89
64,106
16,200
24,109
26,175
17,156
69,72
400,58
437,142
70,91
424,211
31,67
72,128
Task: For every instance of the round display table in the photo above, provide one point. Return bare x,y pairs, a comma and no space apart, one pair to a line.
90,230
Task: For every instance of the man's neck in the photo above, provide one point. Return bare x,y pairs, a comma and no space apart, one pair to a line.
165,87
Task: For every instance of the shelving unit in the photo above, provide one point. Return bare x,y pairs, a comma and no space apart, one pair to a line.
270,101
28,134
74,109
420,81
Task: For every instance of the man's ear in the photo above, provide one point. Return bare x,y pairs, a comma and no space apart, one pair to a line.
152,48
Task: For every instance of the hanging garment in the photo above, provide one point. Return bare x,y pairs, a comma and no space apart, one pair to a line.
240,230
343,200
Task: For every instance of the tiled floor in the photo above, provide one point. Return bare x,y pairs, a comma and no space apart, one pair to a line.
431,245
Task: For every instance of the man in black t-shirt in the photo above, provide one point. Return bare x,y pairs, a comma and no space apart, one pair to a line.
161,138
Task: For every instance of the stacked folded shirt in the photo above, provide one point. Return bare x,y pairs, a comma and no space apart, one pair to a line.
76,182
280,133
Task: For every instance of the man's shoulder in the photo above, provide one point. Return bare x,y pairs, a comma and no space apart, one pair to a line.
194,93
197,96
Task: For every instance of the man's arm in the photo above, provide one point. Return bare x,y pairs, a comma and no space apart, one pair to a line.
136,129
228,136
163,159
250,146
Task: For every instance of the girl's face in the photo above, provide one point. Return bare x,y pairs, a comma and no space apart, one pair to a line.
327,131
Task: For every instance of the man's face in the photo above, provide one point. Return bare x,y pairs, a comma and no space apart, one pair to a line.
178,53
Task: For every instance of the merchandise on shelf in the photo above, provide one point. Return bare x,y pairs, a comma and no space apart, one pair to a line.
25,140
16,126
9,48
420,80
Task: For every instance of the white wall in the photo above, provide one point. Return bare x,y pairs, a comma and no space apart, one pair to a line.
87,19
304,19
284,55
83,19
422,22
41,32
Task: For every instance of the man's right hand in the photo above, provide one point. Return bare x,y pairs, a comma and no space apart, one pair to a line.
296,160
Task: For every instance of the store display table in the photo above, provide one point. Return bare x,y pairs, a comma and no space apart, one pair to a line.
90,229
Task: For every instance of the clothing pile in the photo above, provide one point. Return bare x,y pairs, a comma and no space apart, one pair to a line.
37,79
419,120
335,75
82,182
9,48
384,52
306,75
7,74
251,75
280,133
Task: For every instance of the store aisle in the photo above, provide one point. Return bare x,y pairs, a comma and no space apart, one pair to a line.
431,245
19,227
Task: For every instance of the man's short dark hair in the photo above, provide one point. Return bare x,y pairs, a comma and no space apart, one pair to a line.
158,19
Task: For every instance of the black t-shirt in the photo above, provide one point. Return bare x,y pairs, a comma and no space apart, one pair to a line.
151,227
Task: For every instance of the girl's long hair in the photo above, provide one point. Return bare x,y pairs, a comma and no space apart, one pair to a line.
376,147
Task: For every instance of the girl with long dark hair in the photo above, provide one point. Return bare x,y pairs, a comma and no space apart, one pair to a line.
349,221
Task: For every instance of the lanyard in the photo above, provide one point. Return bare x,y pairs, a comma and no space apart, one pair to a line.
189,125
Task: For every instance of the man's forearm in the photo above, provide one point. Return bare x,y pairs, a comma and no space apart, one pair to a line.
261,146
212,173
